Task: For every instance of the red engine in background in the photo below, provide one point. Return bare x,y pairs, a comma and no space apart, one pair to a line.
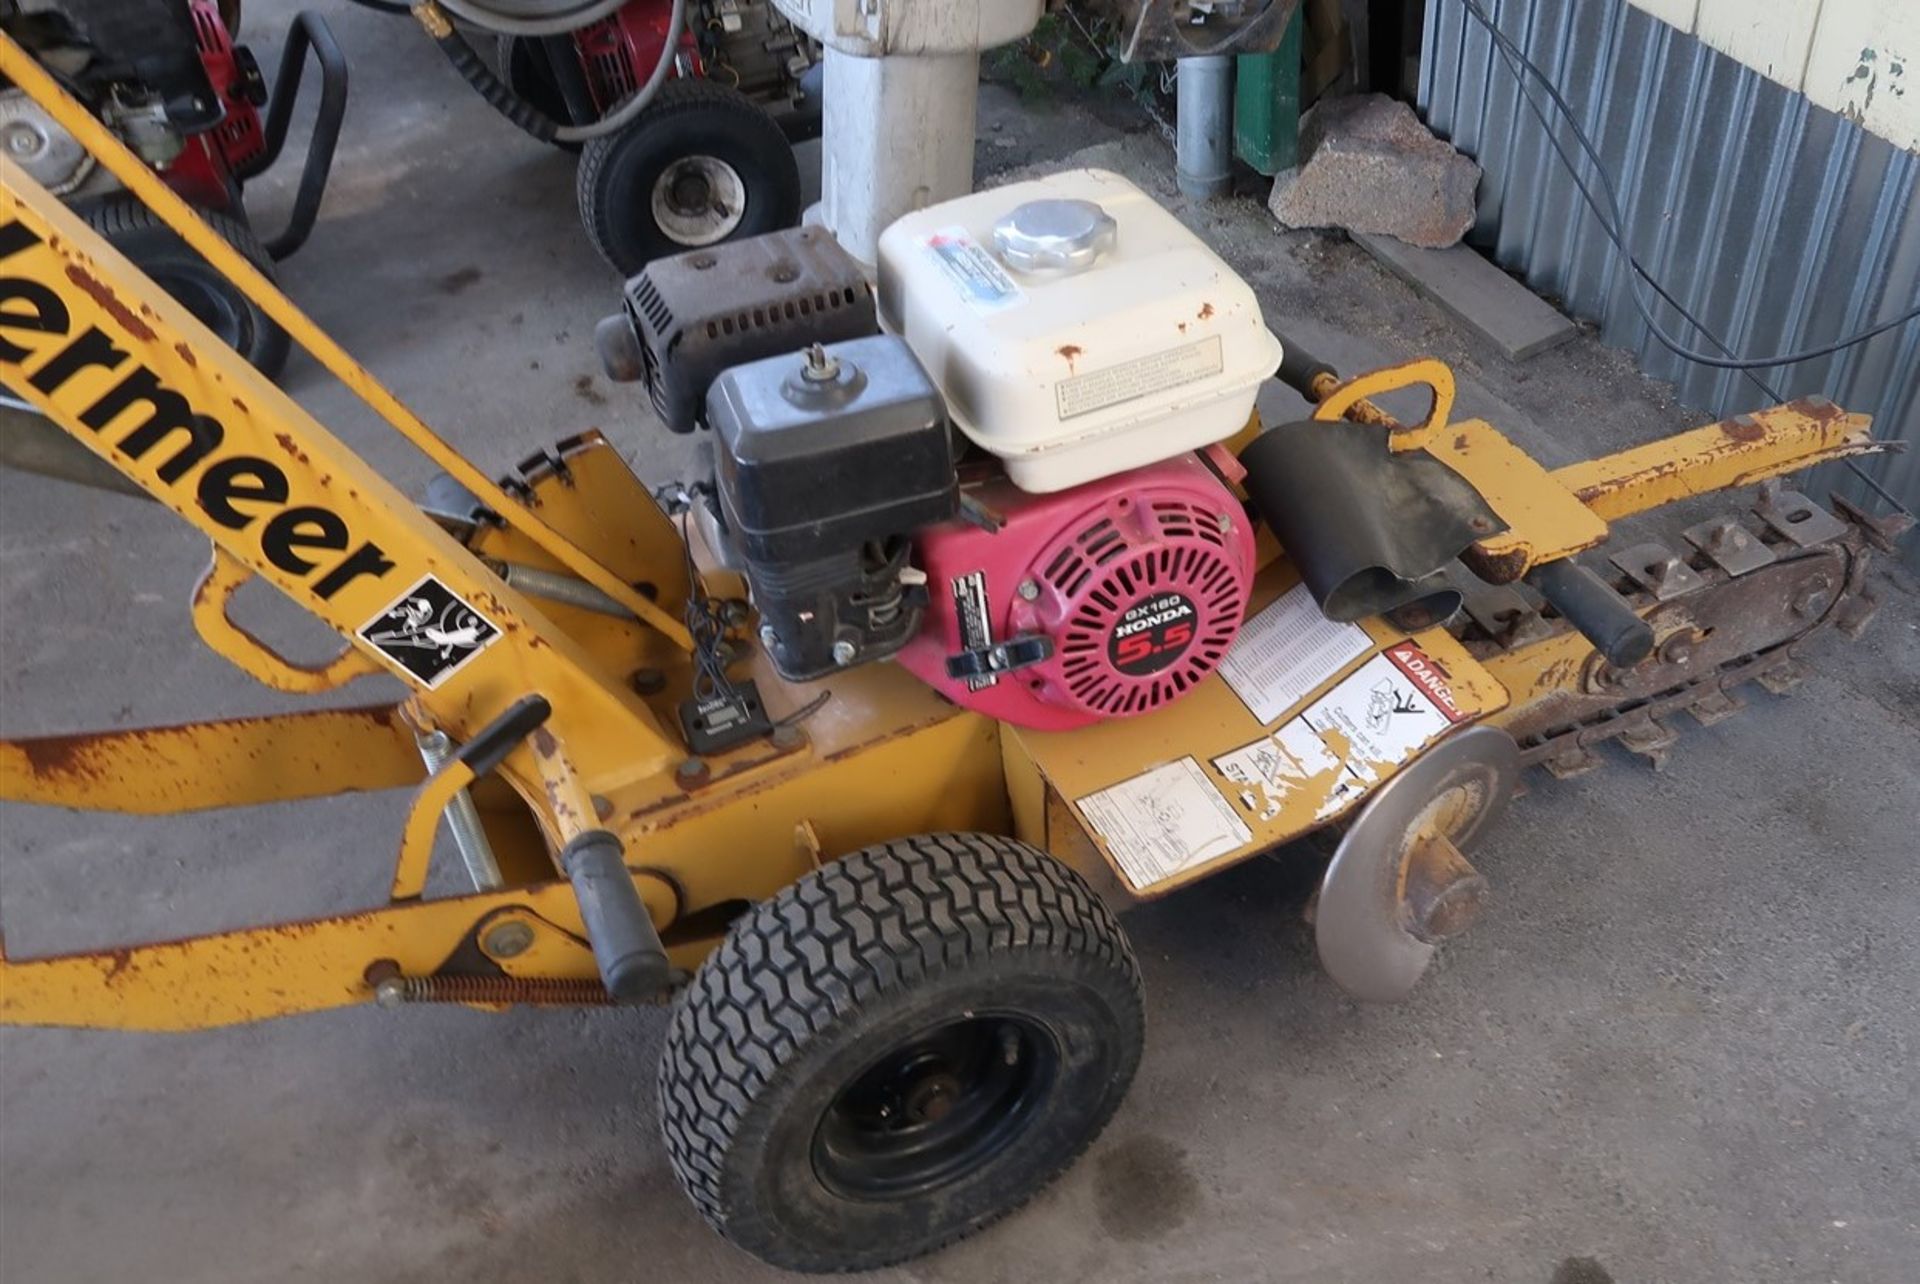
204,171
620,51
1137,581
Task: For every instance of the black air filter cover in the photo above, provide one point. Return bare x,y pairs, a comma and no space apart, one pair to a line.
698,313
806,469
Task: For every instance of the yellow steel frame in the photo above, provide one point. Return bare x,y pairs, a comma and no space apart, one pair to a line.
127,371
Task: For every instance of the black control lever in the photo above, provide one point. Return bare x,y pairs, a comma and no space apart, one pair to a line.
1603,617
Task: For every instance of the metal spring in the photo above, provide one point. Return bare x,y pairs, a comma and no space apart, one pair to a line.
503,990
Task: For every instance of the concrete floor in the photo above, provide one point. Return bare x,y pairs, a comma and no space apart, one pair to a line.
1681,1048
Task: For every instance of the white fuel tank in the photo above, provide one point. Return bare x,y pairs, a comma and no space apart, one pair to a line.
1075,328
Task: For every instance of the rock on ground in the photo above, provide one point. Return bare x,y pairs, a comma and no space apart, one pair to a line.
1369,165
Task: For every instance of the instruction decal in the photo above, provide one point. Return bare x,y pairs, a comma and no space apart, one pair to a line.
1164,821
982,282
429,632
1141,377
1286,651
1380,715
970,608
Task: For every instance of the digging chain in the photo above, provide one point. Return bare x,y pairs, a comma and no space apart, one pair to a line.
1767,612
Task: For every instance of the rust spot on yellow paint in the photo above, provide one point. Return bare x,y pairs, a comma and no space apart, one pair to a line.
1503,567
54,755
289,444
1743,428
186,354
100,292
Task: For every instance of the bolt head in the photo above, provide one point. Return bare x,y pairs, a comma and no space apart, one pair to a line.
1677,649
843,652
821,366
507,940
389,992
1028,590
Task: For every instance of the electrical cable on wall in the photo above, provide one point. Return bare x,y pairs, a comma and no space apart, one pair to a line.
1612,220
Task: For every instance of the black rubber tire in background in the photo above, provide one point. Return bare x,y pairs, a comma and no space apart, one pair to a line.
812,989
137,232
686,118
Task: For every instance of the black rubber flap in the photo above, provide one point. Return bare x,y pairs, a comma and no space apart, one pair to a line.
1363,525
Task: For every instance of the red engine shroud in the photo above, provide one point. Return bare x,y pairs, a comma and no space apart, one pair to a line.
619,52
204,172
1140,580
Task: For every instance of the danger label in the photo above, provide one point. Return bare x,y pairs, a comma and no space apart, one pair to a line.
1428,675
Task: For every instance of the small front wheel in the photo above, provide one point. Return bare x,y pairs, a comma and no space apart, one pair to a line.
896,1050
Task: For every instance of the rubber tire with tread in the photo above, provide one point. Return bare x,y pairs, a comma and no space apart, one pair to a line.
810,987
140,234
687,118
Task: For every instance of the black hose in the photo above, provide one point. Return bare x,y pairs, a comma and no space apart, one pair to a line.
475,72
1299,368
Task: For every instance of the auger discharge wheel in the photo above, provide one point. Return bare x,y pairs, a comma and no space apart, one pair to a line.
1399,883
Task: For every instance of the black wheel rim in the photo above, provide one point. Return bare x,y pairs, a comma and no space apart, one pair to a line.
211,305
935,1107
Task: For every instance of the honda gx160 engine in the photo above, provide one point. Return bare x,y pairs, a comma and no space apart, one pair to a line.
1001,476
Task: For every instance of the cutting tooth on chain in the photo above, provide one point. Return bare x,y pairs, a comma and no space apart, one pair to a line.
1650,738
1715,706
1783,677
1575,760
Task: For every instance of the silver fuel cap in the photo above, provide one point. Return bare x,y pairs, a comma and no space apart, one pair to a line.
1060,236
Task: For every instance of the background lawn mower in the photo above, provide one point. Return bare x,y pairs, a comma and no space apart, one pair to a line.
684,112
167,77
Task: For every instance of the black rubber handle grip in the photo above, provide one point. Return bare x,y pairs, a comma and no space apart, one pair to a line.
1591,606
633,962
497,739
1299,368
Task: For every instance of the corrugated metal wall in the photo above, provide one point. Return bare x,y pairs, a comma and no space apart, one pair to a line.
1777,223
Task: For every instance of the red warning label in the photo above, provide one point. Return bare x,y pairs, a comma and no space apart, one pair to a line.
1429,675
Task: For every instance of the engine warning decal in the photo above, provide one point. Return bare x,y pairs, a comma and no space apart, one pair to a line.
429,632
1152,634
1286,651
970,607
1141,377
1164,822
982,282
1429,675
1380,715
